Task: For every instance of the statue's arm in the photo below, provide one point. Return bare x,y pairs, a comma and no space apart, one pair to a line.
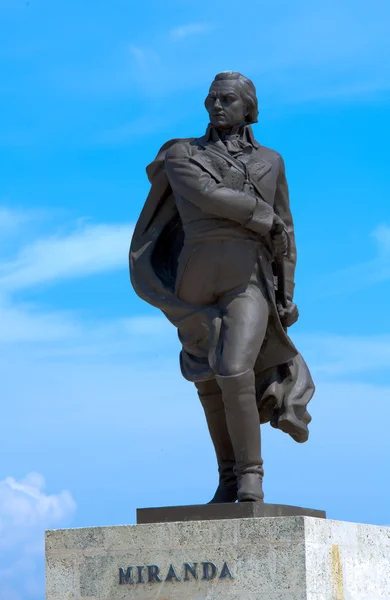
189,180
282,209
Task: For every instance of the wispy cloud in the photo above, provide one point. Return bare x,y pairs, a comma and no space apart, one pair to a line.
333,355
142,127
150,70
11,219
144,56
88,250
334,52
28,323
381,235
190,30
54,335
155,326
360,275
25,512
85,250
14,218
92,248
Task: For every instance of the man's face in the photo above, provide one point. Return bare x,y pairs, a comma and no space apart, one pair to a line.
224,104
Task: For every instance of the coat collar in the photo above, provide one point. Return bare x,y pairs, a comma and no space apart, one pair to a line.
256,167
245,131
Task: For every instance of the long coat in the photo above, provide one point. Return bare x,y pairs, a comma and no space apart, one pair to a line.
284,384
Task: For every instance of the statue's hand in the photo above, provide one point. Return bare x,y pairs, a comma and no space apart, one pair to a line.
279,237
289,314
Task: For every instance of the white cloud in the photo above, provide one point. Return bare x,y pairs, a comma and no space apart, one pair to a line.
152,72
360,275
192,29
343,355
9,219
115,341
51,334
12,219
27,323
316,52
378,269
86,250
382,237
90,249
25,512
24,506
145,57
156,325
141,127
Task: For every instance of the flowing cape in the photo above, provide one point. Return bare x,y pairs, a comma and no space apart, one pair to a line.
283,382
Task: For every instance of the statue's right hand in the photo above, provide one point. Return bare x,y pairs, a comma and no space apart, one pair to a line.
277,225
279,237
288,314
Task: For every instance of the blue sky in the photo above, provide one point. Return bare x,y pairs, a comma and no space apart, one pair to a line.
96,419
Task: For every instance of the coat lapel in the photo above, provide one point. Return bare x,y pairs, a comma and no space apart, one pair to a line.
215,159
216,151
257,169
219,150
205,161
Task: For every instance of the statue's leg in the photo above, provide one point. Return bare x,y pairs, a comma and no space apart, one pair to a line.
195,284
226,274
244,324
211,398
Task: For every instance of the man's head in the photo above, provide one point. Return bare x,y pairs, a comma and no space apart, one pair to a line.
231,101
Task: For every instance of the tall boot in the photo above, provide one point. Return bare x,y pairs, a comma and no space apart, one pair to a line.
211,399
243,423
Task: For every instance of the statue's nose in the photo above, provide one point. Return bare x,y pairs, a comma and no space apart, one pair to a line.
217,103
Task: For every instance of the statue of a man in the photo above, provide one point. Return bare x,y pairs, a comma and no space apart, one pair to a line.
214,249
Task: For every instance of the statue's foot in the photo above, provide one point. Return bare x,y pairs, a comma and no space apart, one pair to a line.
225,495
250,488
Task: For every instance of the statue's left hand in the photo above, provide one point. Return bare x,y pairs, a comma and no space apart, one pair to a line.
288,314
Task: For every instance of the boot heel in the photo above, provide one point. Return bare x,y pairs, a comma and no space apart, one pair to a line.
251,488
251,499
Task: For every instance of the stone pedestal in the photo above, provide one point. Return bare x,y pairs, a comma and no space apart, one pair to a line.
280,558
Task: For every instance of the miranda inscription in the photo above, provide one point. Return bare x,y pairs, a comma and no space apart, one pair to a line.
153,574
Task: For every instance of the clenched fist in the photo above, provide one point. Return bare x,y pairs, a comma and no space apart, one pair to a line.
288,314
279,237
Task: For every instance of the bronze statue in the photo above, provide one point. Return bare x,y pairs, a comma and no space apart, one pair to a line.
214,249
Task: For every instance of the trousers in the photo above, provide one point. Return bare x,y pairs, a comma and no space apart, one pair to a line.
226,274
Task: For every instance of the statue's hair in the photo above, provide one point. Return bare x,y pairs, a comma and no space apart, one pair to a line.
248,93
